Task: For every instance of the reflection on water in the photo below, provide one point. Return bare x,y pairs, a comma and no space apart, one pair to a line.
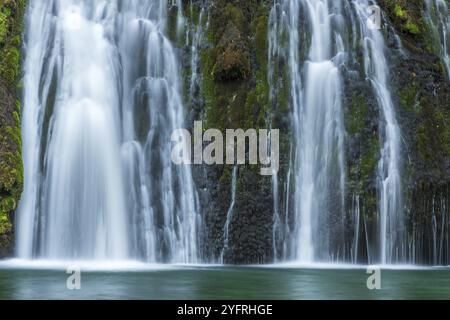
214,282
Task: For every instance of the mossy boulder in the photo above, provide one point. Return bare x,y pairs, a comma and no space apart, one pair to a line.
232,62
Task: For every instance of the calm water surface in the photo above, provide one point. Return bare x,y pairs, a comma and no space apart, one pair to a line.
218,282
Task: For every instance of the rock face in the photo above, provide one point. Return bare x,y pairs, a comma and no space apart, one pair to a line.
422,92
11,168
233,92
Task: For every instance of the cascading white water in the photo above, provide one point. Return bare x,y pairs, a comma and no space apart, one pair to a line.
389,176
274,53
316,231
99,182
196,37
356,222
80,213
439,19
32,118
230,211
181,20
315,97
166,215
434,232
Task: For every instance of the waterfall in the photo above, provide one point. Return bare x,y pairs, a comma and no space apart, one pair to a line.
356,223
230,211
428,240
276,213
314,41
196,38
439,20
391,234
76,208
274,54
102,97
317,118
181,20
434,232
32,119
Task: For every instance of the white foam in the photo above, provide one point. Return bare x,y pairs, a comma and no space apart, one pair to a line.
139,266
90,266
348,266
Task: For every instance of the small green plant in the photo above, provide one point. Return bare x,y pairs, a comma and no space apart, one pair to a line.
412,28
400,12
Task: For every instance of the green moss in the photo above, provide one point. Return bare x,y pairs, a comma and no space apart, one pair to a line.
233,102
407,15
257,102
356,118
225,178
422,142
442,127
249,108
408,97
283,91
370,205
433,134
12,174
7,204
433,37
207,57
11,167
224,13
11,29
260,30
262,99
412,27
400,12
11,183
9,64
362,172
5,224
235,15
218,96
208,88
369,159
193,16
171,27
3,26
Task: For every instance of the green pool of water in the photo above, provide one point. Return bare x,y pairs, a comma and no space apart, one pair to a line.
183,282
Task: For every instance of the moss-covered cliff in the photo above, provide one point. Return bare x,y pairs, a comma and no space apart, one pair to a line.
234,92
422,92
11,168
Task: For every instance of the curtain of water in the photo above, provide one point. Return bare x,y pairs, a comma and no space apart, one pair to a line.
315,97
102,96
197,37
312,37
391,234
230,212
439,20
